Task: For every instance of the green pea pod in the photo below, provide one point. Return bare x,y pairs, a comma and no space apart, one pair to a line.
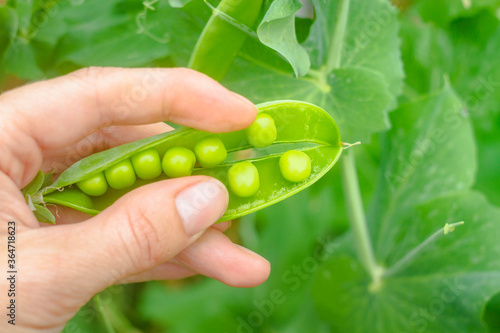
221,39
300,126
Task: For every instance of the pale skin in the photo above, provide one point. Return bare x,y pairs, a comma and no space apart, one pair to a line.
144,236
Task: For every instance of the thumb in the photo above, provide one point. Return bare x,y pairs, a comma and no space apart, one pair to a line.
145,228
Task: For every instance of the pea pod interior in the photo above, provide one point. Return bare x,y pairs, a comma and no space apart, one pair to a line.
301,126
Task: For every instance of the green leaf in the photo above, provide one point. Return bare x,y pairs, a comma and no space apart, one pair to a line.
44,215
8,28
106,35
35,184
427,168
491,314
428,153
360,93
277,30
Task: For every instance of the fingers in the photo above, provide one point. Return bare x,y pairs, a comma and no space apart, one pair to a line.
143,229
100,97
215,256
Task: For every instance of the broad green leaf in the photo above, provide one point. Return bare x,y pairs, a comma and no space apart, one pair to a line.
371,39
427,168
359,93
428,153
277,30
443,290
178,3
491,314
8,28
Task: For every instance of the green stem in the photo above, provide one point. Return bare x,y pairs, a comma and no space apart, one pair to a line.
337,43
413,254
223,36
357,218
100,309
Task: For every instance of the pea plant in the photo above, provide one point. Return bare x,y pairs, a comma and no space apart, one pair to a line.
397,234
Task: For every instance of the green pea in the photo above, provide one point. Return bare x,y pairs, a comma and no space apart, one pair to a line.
147,164
243,178
178,162
262,132
210,151
295,166
120,175
95,185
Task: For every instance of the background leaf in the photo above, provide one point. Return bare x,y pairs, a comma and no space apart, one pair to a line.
417,194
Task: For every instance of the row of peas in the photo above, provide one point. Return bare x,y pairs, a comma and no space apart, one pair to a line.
243,177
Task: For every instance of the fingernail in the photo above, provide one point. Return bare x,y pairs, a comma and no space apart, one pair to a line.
201,205
243,99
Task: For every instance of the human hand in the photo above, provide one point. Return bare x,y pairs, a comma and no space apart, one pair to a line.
143,236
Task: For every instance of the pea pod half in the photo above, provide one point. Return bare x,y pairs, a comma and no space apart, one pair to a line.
300,126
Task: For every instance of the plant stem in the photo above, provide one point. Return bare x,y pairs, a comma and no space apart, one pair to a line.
410,256
357,217
335,52
102,312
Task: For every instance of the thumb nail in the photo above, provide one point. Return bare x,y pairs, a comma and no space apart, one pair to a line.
201,205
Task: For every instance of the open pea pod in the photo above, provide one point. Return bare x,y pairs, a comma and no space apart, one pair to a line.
300,126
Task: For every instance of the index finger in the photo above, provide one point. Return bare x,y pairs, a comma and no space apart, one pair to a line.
61,111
